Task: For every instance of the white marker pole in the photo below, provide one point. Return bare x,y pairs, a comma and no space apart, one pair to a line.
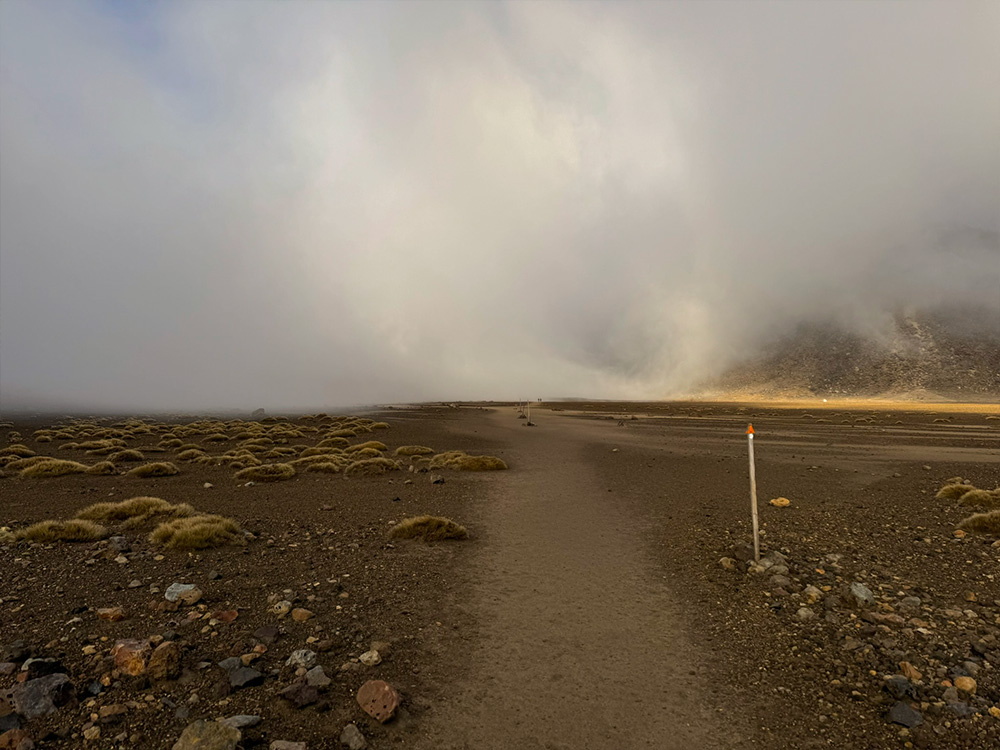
753,497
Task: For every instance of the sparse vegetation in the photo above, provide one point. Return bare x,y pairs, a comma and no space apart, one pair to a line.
318,451
126,456
461,461
157,469
133,508
375,444
428,528
953,491
102,468
52,467
371,467
18,450
379,426
413,450
197,532
981,498
325,467
334,442
76,530
982,523
266,473
191,454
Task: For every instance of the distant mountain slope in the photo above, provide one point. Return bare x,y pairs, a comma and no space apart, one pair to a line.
953,354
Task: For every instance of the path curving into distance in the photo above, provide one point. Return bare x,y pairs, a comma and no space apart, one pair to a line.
579,643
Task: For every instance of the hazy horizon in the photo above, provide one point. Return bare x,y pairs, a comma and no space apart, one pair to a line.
230,205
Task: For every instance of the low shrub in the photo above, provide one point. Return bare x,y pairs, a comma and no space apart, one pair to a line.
157,469
428,528
63,531
414,450
371,467
197,532
266,473
982,523
53,467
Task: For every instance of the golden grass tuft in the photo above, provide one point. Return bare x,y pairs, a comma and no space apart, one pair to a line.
367,453
157,469
216,437
191,454
333,442
266,473
126,456
461,461
197,532
63,531
953,491
368,444
133,507
428,528
281,452
53,467
982,523
317,451
102,469
325,467
18,449
344,433
981,498
379,426
371,467
413,450
13,463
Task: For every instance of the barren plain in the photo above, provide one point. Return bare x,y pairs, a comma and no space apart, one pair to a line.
605,595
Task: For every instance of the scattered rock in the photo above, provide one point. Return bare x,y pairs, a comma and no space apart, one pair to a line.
208,735
112,713
805,614
781,502
92,733
352,738
183,593
437,479
910,672
165,662
16,739
317,677
241,721
131,656
902,713
300,694
728,563
301,615
111,614
862,594
41,696
267,634
379,700
286,745
302,658
370,658
966,685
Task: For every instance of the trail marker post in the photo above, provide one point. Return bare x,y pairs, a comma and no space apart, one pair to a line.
753,496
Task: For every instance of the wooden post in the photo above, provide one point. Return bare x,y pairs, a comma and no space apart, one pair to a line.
753,497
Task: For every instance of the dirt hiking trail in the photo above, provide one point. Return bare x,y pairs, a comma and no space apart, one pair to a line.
579,644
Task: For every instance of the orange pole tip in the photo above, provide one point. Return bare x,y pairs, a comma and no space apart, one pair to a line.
749,429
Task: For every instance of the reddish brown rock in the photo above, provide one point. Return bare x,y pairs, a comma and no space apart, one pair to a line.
15,739
131,656
301,615
379,700
111,614
226,615
165,662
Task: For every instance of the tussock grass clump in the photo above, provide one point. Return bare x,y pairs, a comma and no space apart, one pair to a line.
18,449
170,443
53,467
981,498
197,532
13,463
953,491
461,461
325,467
368,444
367,453
414,450
132,508
63,531
344,433
157,469
379,426
371,467
982,523
191,454
328,458
98,445
318,451
102,469
281,452
69,446
333,442
216,437
428,528
126,456
266,473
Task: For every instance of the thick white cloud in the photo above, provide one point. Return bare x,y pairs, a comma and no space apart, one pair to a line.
304,204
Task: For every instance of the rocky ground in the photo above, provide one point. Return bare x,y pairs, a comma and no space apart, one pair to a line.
867,622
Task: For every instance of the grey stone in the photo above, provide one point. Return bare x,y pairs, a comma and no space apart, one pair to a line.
805,614
898,687
317,677
961,709
242,721
300,694
185,593
352,738
208,735
902,713
119,543
286,745
862,594
41,696
302,657
910,603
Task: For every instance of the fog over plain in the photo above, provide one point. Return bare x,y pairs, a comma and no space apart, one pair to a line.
306,204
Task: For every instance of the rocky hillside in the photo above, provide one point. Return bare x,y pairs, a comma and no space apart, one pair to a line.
953,354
